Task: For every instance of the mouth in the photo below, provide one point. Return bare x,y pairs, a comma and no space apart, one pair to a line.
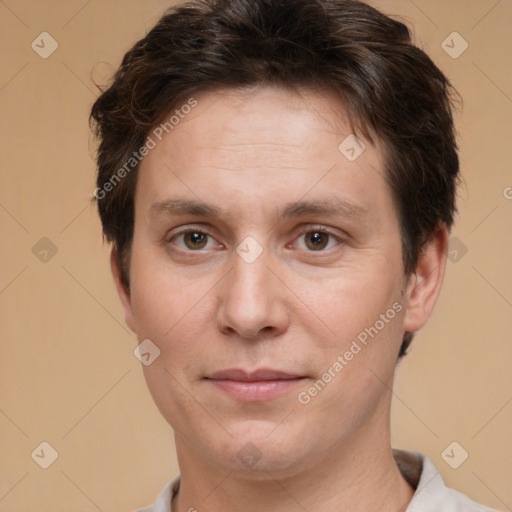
257,385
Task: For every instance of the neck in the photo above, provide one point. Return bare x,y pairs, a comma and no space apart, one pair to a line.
360,475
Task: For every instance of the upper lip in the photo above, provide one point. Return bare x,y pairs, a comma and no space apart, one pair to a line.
262,374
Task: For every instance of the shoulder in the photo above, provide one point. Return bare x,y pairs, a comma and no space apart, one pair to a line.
431,493
163,502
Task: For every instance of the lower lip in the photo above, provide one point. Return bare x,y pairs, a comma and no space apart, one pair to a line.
255,391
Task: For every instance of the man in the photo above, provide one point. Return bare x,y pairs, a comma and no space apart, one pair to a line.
278,180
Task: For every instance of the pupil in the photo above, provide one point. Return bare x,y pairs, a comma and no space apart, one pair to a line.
317,240
196,238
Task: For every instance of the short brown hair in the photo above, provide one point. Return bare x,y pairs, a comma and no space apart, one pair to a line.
390,89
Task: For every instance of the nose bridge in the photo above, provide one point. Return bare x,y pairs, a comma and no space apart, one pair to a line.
250,300
249,286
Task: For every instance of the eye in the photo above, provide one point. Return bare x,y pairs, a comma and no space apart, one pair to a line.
317,240
194,240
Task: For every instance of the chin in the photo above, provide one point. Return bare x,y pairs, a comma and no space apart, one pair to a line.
260,447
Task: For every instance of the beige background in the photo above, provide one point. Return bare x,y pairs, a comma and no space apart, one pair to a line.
68,374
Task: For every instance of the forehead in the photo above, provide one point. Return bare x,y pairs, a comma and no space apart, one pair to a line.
269,142
265,119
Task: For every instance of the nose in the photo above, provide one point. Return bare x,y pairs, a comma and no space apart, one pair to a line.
252,301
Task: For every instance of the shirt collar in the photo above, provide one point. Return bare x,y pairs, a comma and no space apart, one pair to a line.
430,493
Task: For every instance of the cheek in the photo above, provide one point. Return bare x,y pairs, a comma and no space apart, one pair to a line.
159,300
352,302
171,311
358,365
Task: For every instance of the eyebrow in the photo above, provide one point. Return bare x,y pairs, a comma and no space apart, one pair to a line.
328,206
185,207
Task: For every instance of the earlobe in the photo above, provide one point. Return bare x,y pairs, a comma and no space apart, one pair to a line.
122,290
424,286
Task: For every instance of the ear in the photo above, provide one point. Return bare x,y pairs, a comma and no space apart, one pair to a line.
425,284
122,290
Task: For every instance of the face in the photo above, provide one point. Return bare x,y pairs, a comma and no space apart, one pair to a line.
266,266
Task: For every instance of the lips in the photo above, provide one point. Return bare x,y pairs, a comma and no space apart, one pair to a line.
253,386
263,374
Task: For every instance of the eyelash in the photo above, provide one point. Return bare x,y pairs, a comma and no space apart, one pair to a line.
303,231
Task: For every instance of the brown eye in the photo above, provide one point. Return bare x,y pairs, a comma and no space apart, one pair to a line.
316,240
195,240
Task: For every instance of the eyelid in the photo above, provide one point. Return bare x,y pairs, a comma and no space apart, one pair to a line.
307,228
187,228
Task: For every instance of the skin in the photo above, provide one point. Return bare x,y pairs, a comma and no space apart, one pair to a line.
296,308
